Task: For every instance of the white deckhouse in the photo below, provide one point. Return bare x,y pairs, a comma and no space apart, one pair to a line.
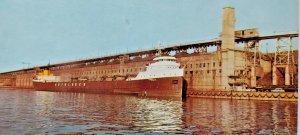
163,66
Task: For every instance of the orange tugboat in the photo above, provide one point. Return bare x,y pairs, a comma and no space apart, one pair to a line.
163,77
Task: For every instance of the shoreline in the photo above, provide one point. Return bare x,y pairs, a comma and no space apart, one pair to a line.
245,95
239,95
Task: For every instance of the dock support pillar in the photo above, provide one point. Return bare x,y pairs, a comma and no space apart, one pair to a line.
253,77
274,76
287,77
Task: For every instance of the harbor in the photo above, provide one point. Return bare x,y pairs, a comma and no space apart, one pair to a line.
149,67
227,68
40,112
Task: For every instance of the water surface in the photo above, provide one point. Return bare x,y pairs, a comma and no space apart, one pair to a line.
39,112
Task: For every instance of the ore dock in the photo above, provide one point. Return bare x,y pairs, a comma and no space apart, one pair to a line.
227,72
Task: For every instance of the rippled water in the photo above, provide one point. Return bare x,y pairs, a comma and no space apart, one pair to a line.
37,112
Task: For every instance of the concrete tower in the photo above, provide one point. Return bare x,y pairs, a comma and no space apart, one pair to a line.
227,46
228,24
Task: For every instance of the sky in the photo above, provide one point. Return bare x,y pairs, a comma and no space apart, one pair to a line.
34,32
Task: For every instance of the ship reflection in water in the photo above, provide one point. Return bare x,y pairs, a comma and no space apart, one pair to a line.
35,112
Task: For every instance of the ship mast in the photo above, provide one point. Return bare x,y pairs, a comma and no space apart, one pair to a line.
159,52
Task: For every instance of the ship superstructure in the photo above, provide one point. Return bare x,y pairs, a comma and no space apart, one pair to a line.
163,66
46,76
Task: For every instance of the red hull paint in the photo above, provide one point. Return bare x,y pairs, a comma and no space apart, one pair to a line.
166,87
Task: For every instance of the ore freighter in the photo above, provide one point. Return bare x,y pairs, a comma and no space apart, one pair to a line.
163,77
